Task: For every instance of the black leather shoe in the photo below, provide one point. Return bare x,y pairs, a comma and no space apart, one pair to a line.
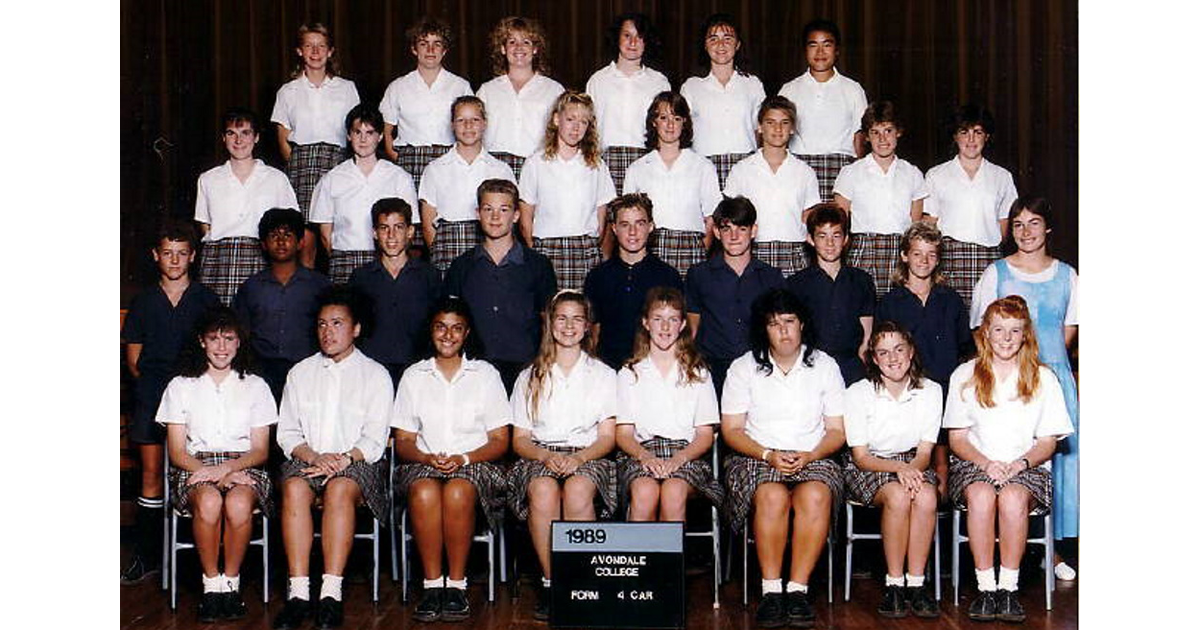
799,611
455,606
329,613
137,570
893,605
212,607
772,611
430,606
233,606
921,603
984,607
294,612
1008,607
541,608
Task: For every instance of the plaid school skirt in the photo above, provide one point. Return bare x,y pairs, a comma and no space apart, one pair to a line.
601,472
862,485
786,256
697,472
827,168
487,477
225,264
571,256
618,160
308,163
514,161
414,159
875,254
963,263
180,488
743,475
343,262
454,238
678,248
370,477
724,162
1037,480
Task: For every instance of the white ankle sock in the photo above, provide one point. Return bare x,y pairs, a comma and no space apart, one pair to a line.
545,582
893,581
1008,578
439,582
298,588
213,584
458,584
914,580
232,584
772,586
331,586
796,587
986,579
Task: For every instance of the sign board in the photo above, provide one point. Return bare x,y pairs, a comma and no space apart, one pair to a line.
616,575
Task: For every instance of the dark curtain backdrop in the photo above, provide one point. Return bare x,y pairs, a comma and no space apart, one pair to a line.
184,62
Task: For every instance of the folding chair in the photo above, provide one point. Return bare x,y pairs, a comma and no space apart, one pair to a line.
852,535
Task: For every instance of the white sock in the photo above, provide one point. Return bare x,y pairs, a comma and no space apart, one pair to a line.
986,579
914,580
298,588
438,582
458,584
1008,578
331,586
893,581
545,582
213,584
232,584
796,587
772,586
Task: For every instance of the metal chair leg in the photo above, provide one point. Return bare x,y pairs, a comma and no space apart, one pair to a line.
375,560
954,552
266,555
849,547
937,559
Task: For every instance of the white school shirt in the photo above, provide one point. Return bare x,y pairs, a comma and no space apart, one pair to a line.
1007,431
724,117
315,113
455,416
566,193
232,208
571,407
881,203
662,406
218,417
517,120
449,183
683,195
621,101
779,197
969,210
344,197
421,112
985,291
829,113
335,406
888,426
785,412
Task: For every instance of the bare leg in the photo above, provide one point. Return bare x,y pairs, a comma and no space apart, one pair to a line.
342,496
643,499
921,521
297,525
811,503
894,525
673,500
771,504
206,526
545,505
239,510
458,524
981,523
1013,508
578,499
425,515
152,470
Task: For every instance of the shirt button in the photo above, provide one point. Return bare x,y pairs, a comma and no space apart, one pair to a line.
495,309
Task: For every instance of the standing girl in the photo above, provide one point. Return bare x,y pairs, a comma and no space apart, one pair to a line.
218,417
1049,288
724,102
665,415
310,111
682,184
563,410
565,190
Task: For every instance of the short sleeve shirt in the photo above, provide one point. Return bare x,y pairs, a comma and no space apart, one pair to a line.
970,209
449,183
837,304
890,426
218,416
566,194
683,195
400,304
722,299
829,113
724,117
939,326
451,416
779,196
571,406
281,317
663,406
232,208
344,197
621,101
161,328
617,291
421,112
517,120
785,411
880,203
335,406
315,113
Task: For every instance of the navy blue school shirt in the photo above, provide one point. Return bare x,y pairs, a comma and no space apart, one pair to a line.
506,300
836,304
617,291
722,299
400,306
282,319
940,327
162,328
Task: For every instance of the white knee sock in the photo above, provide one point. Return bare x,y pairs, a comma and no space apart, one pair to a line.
1008,578
298,588
986,578
331,586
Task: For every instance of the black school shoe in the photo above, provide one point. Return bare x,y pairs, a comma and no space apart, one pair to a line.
1008,607
294,612
893,605
329,613
455,606
799,611
983,608
772,611
233,606
137,570
430,606
541,608
212,607
921,603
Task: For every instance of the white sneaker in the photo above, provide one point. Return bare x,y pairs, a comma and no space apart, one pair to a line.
1064,572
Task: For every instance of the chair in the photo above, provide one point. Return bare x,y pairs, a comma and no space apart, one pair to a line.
172,544
714,530
852,535
1046,540
489,537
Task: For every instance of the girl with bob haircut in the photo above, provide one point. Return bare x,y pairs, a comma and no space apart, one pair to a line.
666,409
892,421
451,418
781,414
1005,412
563,412
1049,287
565,190
218,416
